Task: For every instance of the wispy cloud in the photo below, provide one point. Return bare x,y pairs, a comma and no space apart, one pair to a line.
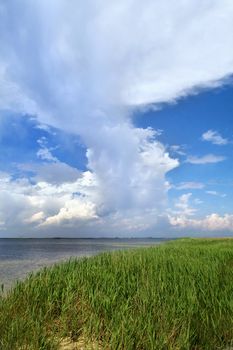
207,159
189,185
214,137
44,152
178,149
183,205
215,193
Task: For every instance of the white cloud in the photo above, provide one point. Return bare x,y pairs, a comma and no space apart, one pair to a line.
130,166
70,208
178,149
44,152
184,220
215,193
182,208
183,205
197,201
30,206
43,127
36,218
124,53
214,137
73,210
189,185
85,66
212,222
207,159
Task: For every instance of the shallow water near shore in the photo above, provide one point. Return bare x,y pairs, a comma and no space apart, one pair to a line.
19,257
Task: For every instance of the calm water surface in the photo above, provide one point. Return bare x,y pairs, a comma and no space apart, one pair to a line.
18,257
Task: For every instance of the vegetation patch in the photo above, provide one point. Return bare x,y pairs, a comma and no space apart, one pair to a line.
178,295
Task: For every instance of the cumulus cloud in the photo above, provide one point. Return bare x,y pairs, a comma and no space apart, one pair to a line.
42,203
207,159
84,66
214,137
72,211
47,209
212,222
182,218
77,77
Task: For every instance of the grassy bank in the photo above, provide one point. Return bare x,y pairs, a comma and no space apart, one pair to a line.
175,296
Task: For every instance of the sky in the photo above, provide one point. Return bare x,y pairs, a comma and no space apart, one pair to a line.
116,118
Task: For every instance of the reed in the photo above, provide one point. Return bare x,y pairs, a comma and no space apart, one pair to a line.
178,295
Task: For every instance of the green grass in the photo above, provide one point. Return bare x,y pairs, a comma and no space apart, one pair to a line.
175,296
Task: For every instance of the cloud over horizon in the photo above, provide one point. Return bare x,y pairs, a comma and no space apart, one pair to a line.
85,68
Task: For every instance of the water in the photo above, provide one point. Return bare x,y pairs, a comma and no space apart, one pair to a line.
18,257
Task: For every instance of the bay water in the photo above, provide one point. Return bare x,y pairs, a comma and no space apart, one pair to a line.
19,257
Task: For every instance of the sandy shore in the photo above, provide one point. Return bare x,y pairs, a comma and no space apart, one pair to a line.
81,344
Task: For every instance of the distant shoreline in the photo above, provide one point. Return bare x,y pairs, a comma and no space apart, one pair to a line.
20,257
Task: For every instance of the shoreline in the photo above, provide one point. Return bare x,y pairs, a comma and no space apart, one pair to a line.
41,255
176,295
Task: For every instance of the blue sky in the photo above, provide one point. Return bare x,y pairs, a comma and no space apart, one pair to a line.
183,124
111,129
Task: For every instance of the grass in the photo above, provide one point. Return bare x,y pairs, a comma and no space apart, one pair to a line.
175,296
